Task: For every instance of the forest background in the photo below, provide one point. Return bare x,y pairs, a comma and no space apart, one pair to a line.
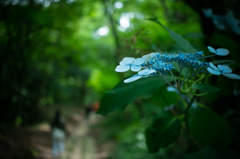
56,52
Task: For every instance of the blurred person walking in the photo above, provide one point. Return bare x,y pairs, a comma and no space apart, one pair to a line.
90,113
58,134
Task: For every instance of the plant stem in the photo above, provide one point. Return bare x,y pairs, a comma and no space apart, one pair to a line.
199,94
186,113
185,76
180,74
173,77
167,81
187,125
208,56
189,78
201,78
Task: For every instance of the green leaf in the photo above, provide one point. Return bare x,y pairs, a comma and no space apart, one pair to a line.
209,128
209,153
162,132
178,38
194,35
205,87
163,98
124,93
226,62
18,120
213,96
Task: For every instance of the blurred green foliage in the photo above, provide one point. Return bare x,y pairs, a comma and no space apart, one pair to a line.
54,52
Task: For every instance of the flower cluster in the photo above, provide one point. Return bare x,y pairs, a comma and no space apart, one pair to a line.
222,69
161,64
223,22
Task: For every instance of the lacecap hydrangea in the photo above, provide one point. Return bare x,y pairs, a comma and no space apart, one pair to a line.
161,64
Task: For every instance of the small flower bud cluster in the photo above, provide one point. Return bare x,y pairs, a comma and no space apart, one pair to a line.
158,63
193,60
162,62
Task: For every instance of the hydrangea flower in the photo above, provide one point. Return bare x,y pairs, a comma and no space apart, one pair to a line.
161,64
140,74
151,55
128,62
223,22
220,51
222,69
133,78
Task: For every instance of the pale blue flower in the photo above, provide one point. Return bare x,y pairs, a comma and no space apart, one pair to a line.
146,72
136,66
130,62
161,64
133,78
140,74
220,51
151,55
222,69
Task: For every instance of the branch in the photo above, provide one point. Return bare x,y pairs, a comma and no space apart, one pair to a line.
114,30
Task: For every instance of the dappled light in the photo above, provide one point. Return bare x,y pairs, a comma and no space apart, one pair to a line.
124,20
118,5
103,31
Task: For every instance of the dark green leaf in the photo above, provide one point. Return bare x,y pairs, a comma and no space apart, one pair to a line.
178,38
163,98
205,87
162,132
124,93
209,153
209,128
213,96
194,35
226,62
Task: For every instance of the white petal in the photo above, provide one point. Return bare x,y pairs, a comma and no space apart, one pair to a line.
151,55
224,68
232,76
146,57
147,76
133,78
139,61
222,52
212,71
122,68
136,68
211,49
127,60
213,66
146,72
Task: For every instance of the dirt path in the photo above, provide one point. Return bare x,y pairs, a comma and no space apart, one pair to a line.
80,145
35,142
